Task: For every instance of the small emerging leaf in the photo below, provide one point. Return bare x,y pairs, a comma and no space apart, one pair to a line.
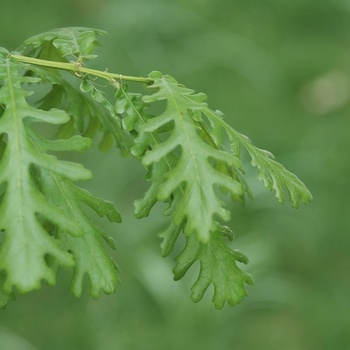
107,119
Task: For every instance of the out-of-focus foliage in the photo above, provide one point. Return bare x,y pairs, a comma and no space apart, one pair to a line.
286,65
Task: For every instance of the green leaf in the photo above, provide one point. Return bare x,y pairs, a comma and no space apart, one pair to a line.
218,266
105,118
169,235
108,118
194,172
71,41
90,256
99,113
132,107
62,95
4,297
189,165
27,243
185,164
272,173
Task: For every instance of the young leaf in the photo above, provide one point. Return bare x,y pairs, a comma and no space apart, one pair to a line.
107,117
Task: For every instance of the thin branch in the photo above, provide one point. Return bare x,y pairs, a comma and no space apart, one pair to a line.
78,69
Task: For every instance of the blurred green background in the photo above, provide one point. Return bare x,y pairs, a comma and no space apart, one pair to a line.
280,71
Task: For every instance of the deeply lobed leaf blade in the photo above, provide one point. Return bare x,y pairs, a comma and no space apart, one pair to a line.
188,185
193,172
272,173
91,258
218,266
71,41
31,211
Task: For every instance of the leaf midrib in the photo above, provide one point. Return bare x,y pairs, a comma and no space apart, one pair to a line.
16,121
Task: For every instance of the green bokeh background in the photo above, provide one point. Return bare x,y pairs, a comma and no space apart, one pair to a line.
280,71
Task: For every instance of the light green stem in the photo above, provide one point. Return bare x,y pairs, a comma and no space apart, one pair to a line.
79,70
